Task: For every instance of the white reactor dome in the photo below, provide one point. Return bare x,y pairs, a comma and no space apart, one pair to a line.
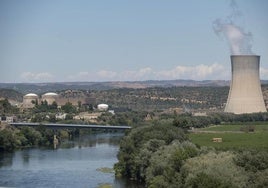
50,94
50,97
103,107
31,95
28,100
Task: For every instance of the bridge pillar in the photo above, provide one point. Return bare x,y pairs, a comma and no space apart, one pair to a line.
55,141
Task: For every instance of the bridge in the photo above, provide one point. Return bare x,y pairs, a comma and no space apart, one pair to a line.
66,126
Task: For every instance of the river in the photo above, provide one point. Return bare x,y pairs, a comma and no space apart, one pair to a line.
75,163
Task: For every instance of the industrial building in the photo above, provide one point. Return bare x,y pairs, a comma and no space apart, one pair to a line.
102,107
29,100
245,95
75,97
50,97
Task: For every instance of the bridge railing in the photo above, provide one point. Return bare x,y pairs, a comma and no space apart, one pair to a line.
79,126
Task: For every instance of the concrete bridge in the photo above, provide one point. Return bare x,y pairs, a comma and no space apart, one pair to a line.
65,126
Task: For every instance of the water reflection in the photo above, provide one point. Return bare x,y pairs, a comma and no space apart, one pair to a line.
112,139
5,159
73,164
26,157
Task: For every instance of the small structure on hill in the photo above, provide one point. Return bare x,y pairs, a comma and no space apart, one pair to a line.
103,107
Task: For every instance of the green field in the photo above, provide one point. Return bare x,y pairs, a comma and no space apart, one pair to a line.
232,140
259,127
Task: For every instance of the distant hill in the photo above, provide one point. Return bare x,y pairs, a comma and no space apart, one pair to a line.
40,88
10,94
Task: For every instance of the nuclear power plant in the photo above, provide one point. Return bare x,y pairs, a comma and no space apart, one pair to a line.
29,100
70,96
245,94
50,97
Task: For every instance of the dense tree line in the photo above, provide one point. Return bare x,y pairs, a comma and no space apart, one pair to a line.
161,156
147,139
12,138
188,120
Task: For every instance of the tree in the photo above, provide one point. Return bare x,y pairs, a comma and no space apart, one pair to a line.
8,140
145,139
32,136
202,180
68,108
52,118
54,105
252,160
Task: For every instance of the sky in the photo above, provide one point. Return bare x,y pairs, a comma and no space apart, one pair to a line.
123,40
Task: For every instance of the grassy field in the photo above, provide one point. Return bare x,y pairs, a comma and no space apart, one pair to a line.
232,140
260,127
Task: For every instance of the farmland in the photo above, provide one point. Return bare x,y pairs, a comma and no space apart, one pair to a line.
233,137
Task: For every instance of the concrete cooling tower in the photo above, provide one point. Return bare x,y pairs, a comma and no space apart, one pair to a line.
245,95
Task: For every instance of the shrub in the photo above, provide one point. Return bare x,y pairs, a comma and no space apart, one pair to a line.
165,164
8,141
219,166
142,142
252,160
202,180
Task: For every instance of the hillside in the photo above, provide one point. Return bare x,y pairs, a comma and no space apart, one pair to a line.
121,96
40,88
11,94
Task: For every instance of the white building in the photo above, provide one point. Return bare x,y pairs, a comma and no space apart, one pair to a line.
102,107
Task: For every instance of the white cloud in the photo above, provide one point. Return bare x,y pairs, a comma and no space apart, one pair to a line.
199,72
214,71
36,77
141,74
104,74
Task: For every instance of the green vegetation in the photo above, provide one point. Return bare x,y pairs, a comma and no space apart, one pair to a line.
187,121
12,138
137,148
159,98
44,107
157,151
233,137
232,140
258,127
69,108
6,108
156,156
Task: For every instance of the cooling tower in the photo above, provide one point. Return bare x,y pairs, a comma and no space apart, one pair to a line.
245,95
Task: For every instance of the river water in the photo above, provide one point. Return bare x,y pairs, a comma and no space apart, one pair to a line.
74,164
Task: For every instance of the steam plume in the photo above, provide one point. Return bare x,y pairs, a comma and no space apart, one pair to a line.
238,40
